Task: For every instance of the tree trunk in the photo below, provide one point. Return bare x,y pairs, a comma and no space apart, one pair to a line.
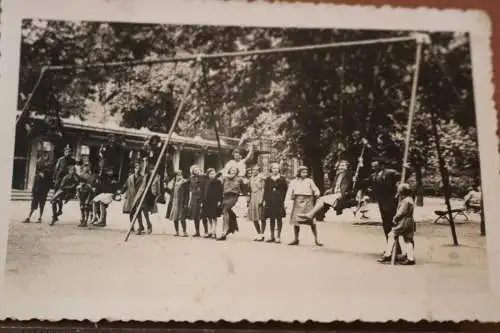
420,186
482,225
317,173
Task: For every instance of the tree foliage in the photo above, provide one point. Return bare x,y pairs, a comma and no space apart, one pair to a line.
304,101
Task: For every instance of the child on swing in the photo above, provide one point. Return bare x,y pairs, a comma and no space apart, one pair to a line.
403,227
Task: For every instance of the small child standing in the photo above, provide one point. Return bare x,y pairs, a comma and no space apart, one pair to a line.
149,205
275,188
403,227
180,201
231,192
302,192
212,201
86,192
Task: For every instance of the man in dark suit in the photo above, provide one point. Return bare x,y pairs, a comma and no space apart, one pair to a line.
383,184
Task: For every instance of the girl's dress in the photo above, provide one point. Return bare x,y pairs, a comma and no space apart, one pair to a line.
274,197
404,222
130,189
213,196
231,190
256,196
180,200
303,193
149,204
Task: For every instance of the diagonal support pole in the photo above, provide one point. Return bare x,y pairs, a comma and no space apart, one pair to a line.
164,147
411,112
24,111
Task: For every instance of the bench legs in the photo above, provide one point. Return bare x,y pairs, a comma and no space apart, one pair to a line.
445,217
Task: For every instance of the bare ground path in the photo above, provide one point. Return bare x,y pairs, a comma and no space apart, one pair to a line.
65,270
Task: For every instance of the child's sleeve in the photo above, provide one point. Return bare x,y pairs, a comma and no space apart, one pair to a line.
284,188
291,191
265,191
315,188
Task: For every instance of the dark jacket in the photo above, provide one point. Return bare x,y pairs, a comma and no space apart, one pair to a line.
43,177
383,185
212,198
61,169
274,197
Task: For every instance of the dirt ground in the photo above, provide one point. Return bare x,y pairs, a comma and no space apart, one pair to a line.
68,272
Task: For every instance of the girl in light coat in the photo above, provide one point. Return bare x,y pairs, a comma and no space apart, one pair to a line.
303,193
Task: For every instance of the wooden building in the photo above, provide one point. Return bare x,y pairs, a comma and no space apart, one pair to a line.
85,138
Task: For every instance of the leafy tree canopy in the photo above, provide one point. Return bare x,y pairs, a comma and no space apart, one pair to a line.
304,101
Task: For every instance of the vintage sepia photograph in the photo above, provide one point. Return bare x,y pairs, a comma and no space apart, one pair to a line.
222,171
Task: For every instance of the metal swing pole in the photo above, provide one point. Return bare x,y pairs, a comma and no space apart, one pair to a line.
164,147
436,134
411,113
444,177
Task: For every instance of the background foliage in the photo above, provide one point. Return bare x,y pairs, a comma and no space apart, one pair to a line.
304,101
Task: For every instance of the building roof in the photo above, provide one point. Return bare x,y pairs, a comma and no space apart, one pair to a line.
143,133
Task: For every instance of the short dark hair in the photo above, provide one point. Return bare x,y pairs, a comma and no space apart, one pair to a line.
300,169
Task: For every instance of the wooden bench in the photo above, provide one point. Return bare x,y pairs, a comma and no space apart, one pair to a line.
443,214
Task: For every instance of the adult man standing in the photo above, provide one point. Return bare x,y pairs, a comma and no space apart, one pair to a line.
60,171
383,184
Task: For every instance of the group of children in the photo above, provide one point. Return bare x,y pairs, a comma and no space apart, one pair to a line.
209,199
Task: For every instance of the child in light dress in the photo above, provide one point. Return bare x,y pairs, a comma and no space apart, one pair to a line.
303,193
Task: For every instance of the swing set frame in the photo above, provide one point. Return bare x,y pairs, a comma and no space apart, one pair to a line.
200,60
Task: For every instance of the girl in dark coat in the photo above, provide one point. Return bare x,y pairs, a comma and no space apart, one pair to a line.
212,202
196,191
179,202
275,189
149,204
41,186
